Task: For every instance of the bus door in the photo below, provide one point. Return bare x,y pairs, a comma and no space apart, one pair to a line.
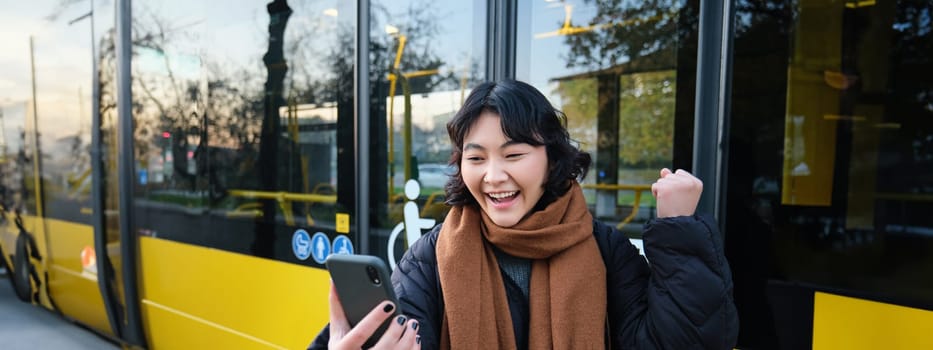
46,127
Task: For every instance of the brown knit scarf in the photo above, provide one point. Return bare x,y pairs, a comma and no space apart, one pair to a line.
567,294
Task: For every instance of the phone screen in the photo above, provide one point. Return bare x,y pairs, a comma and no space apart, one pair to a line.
362,282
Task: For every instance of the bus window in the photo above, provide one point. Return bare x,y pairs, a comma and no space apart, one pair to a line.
425,58
254,136
623,75
830,165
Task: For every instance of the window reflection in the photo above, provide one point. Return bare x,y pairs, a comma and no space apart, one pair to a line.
45,99
244,113
613,68
425,56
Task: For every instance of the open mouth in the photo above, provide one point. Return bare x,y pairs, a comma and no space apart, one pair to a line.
502,197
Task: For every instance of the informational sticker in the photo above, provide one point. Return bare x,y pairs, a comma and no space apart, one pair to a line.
343,223
320,247
342,245
413,223
88,261
301,244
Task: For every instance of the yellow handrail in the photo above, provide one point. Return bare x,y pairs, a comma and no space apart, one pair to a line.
285,200
297,197
427,203
622,187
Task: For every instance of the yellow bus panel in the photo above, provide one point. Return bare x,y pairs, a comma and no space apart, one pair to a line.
855,324
72,285
195,297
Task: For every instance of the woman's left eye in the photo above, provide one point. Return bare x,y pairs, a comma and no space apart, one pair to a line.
514,155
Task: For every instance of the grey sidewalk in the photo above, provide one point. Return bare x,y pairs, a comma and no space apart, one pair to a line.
24,326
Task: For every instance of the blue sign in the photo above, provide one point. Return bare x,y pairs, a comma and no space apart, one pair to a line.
301,244
342,245
320,247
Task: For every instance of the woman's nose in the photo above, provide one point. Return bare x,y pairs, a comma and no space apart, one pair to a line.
495,174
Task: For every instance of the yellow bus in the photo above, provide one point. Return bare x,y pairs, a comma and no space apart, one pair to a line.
174,173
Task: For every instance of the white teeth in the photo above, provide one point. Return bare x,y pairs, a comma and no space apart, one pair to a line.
502,195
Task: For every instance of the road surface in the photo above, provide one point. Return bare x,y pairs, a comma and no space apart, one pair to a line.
24,326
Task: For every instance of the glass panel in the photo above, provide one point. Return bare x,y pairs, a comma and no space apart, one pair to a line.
831,153
64,114
169,121
244,123
425,56
623,74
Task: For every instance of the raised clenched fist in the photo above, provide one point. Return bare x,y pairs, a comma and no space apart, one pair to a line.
677,193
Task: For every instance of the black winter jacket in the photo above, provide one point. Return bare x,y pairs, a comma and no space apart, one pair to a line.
682,300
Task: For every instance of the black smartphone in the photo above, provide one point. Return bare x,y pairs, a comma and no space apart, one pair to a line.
362,282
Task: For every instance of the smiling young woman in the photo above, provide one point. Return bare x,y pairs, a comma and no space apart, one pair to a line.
519,250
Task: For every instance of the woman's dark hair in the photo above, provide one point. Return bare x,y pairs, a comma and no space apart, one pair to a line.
526,116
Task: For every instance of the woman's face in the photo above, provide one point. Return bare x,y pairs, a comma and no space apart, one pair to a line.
506,177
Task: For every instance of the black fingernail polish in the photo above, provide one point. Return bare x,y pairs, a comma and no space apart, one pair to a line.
388,308
401,320
418,339
414,325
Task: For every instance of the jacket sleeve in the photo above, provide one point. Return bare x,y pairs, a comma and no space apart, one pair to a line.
320,341
682,299
418,288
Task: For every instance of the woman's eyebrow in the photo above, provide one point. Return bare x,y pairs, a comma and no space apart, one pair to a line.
476,146
510,143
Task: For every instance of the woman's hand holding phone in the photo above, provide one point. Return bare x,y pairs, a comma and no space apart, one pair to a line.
401,334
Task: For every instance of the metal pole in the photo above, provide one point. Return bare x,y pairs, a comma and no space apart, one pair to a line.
406,131
500,46
714,58
362,115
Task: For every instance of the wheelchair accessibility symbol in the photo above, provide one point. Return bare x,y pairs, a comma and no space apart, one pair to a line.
342,245
412,224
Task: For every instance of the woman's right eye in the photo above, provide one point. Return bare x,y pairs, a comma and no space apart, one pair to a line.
474,158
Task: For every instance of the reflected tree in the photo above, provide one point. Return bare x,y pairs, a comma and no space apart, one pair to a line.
276,68
628,52
176,100
418,23
626,31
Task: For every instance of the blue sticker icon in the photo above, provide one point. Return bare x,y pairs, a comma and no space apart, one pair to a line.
342,245
319,248
301,244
